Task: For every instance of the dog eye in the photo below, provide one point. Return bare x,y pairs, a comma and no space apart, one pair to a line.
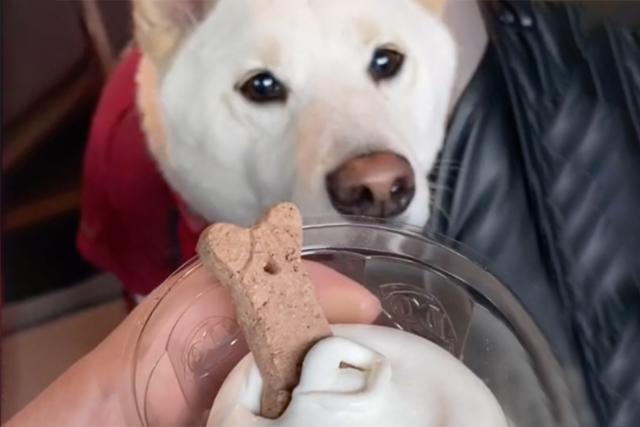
263,88
385,64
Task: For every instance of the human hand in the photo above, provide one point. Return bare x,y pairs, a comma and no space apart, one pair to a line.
165,362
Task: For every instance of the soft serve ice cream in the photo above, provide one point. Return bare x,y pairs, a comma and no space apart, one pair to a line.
366,376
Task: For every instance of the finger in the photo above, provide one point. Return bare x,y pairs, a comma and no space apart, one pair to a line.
342,299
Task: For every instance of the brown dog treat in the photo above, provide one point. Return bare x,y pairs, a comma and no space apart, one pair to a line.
274,300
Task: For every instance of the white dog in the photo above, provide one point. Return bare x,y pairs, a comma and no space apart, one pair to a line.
335,105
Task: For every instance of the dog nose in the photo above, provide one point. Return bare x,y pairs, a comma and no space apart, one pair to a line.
380,185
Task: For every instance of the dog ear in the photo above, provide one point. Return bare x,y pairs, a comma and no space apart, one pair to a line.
160,25
434,6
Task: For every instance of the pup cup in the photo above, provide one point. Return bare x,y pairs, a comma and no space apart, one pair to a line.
366,375
426,289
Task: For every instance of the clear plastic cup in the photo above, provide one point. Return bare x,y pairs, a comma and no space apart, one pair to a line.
425,285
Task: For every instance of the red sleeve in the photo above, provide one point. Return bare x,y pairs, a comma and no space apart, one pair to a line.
127,213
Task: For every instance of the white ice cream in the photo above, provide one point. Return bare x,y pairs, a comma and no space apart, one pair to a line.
402,380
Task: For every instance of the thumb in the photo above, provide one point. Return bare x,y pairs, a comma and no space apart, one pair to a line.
342,299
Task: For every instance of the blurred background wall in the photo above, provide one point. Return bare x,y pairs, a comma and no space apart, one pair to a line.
55,56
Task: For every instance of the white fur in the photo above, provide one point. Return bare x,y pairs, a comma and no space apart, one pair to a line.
230,159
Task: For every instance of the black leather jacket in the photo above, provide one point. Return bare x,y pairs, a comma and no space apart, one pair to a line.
540,174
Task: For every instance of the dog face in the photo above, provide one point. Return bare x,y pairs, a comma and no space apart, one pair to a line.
336,105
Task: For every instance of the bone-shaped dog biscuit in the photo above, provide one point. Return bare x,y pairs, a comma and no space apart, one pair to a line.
275,303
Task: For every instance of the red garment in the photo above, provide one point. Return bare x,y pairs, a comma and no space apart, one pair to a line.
131,223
